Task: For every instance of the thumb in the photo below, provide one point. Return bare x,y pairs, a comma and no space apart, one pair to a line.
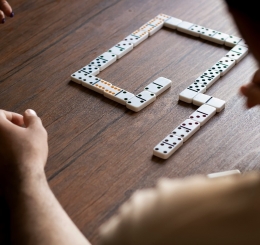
31,120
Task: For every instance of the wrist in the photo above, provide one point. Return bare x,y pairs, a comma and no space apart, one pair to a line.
23,182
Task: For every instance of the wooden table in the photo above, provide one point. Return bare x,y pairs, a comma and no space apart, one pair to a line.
101,152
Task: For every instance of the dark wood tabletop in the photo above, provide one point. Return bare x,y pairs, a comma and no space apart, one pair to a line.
100,152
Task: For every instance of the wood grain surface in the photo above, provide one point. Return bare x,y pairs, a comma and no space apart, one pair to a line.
101,152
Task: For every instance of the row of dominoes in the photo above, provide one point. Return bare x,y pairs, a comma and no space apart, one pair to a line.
204,33
131,101
86,76
172,142
211,75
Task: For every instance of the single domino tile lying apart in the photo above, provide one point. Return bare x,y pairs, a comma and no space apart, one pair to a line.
186,129
224,174
201,99
159,86
203,114
172,23
167,146
104,60
121,49
152,26
237,53
137,37
140,101
232,41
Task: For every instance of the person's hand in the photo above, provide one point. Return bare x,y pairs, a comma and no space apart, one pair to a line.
252,91
5,10
23,147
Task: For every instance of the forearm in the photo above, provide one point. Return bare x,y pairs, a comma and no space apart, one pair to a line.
37,217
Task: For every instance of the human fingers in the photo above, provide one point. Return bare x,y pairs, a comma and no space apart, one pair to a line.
256,77
6,8
252,92
31,120
2,17
15,118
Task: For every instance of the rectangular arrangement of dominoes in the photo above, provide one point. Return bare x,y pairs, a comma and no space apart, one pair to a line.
209,105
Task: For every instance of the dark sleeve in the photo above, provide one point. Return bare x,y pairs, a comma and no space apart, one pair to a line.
248,7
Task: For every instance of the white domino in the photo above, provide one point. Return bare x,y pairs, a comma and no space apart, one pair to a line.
172,23
90,70
237,53
186,129
122,97
201,99
111,91
152,26
121,49
209,77
224,65
163,17
140,101
167,146
195,30
184,27
137,37
187,95
203,114
104,60
219,38
100,86
78,76
224,174
232,41
159,86
89,81
197,87
207,34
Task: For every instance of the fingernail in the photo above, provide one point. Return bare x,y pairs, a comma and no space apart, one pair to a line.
12,15
3,20
32,112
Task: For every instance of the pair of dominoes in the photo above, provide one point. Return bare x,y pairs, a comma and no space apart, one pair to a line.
149,94
172,142
204,33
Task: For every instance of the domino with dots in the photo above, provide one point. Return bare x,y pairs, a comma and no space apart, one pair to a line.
140,101
121,49
104,60
159,85
167,146
152,26
203,114
186,129
137,37
237,53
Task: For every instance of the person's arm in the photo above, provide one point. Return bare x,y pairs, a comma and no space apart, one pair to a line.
5,10
193,210
36,217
